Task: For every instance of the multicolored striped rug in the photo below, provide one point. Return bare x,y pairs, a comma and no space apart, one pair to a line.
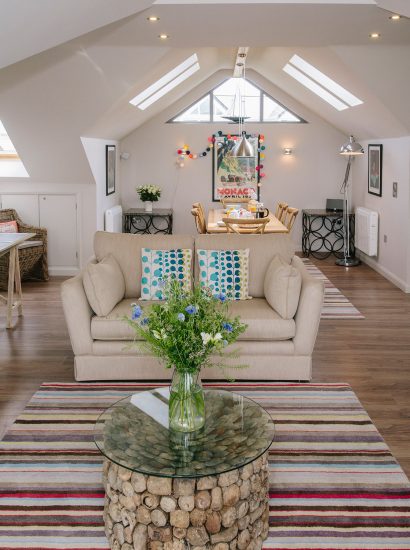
334,483
336,305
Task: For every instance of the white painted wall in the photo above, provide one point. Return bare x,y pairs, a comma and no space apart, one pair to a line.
95,151
393,259
304,180
86,213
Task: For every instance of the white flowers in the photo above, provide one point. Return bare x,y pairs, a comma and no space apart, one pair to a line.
160,335
209,339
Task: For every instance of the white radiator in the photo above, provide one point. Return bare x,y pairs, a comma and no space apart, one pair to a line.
113,219
366,231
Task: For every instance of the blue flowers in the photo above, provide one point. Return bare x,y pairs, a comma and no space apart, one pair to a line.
144,321
136,312
222,297
191,309
228,327
181,317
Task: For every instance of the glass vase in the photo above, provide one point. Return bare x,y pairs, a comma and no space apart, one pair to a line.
186,402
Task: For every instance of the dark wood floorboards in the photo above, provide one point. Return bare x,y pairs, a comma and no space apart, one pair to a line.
372,355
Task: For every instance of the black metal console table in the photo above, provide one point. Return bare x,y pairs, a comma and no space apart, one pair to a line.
322,233
137,220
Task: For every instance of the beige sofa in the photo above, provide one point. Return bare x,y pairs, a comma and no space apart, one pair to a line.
274,348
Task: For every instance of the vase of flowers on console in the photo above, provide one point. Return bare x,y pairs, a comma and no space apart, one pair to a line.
149,194
184,332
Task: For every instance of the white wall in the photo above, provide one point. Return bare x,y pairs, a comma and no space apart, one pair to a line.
304,180
393,259
86,216
95,151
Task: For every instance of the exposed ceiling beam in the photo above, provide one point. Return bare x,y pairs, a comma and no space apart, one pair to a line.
240,61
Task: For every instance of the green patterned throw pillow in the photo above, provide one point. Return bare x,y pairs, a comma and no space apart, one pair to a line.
159,265
225,272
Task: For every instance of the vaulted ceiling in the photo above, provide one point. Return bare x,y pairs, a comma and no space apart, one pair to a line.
71,73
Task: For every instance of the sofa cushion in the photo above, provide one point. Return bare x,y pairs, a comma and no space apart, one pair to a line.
126,249
158,265
104,285
113,326
262,248
9,227
263,322
225,272
282,287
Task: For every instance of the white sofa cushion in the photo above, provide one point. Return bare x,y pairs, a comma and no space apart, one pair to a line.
282,287
104,285
263,322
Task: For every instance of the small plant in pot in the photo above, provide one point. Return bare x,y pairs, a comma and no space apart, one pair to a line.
188,331
149,194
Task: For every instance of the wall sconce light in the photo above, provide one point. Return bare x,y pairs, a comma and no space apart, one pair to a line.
124,156
287,151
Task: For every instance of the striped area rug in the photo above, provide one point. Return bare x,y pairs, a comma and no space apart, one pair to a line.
334,485
336,305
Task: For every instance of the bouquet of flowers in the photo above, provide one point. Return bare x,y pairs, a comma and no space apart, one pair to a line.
184,332
149,193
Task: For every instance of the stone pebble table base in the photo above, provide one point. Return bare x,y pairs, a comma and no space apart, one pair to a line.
223,512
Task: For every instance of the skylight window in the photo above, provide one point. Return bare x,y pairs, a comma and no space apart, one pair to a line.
166,83
320,84
10,164
223,101
7,149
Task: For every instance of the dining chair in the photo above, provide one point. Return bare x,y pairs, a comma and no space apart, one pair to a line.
199,220
290,217
246,225
200,208
281,211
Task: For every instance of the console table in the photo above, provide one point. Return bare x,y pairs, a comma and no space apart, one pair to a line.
137,220
322,233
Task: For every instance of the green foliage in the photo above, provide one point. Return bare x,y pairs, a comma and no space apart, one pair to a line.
187,328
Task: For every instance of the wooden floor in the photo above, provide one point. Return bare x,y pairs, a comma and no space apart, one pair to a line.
372,355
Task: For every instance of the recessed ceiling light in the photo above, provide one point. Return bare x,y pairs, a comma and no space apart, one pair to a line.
153,18
395,17
374,35
163,36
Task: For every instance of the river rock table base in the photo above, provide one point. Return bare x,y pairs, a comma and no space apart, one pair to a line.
224,512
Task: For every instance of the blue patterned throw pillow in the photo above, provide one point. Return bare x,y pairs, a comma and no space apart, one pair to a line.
225,272
159,265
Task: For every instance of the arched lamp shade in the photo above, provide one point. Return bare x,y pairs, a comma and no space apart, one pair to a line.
243,148
352,147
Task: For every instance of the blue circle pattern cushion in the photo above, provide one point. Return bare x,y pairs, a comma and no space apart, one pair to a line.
225,271
158,265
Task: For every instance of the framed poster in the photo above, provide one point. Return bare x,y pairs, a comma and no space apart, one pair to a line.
375,167
109,169
234,177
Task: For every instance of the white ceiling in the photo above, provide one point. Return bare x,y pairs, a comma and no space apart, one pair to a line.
28,27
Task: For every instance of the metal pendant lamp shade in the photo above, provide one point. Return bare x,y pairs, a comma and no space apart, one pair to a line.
352,147
243,148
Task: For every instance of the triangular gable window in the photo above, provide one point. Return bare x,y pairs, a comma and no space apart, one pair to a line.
257,105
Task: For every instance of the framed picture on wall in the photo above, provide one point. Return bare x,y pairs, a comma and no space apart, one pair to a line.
375,167
234,177
109,169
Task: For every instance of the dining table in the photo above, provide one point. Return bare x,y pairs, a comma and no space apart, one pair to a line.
9,243
216,225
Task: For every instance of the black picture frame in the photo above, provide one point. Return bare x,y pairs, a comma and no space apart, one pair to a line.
110,158
219,153
375,169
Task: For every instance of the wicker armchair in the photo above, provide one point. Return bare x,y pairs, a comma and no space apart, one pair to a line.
32,259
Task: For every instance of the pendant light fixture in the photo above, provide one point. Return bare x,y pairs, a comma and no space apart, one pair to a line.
243,148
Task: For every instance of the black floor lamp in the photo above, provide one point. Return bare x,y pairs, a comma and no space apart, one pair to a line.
350,149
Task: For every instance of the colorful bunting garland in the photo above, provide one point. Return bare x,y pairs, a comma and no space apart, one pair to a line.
185,152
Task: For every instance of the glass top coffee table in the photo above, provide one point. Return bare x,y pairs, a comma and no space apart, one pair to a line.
172,490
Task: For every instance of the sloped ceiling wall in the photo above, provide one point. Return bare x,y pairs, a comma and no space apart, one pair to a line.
82,87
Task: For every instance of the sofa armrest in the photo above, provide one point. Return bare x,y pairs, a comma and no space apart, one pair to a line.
309,310
78,314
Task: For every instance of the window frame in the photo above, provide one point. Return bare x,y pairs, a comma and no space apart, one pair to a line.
261,120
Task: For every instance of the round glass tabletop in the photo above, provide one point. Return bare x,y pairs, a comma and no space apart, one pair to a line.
135,434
